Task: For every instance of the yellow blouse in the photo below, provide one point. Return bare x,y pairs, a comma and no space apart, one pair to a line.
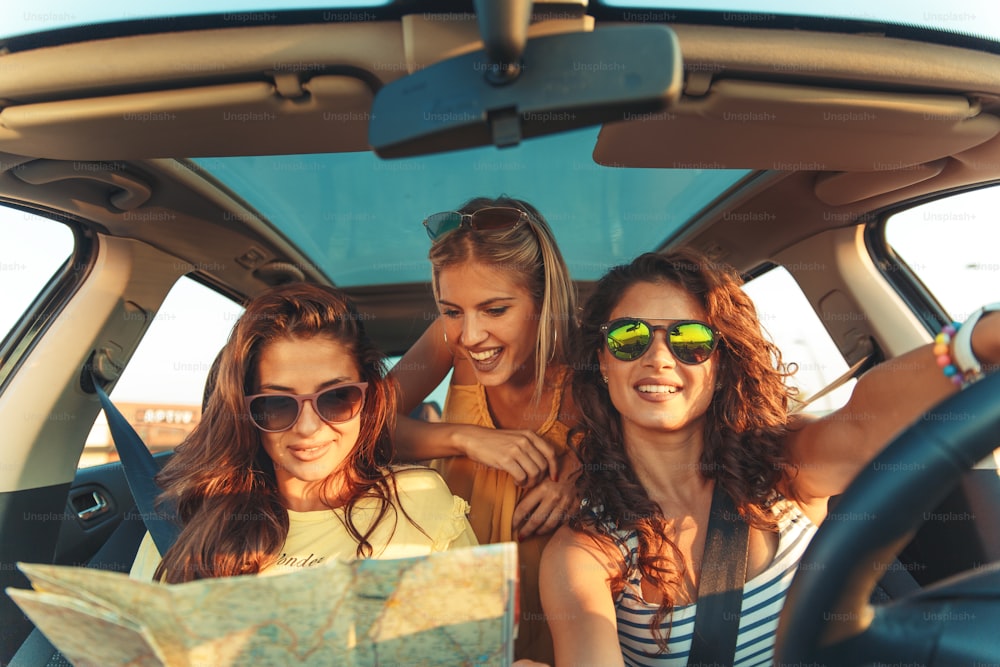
493,495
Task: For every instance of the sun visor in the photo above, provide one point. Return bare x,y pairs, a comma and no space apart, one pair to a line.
327,113
748,125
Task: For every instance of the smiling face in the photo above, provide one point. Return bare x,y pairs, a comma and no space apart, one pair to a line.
656,394
312,449
490,320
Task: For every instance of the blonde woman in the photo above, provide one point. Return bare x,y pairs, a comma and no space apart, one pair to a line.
507,314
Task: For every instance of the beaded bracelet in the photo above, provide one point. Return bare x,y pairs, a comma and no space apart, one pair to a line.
942,352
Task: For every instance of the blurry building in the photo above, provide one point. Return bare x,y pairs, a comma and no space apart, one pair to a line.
160,426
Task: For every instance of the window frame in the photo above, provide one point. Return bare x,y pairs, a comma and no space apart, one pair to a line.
50,301
900,276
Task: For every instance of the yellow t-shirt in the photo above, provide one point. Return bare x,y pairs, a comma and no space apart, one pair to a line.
315,537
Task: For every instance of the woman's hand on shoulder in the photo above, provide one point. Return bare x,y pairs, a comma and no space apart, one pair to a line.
550,502
524,455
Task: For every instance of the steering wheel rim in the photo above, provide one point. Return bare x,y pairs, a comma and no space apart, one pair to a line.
827,616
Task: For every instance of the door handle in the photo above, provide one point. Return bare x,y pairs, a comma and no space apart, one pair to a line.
100,506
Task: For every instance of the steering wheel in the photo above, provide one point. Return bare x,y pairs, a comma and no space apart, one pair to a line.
827,618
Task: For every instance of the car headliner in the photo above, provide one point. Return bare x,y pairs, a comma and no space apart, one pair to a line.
356,216
762,152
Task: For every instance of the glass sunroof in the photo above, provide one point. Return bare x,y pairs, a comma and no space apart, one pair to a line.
359,217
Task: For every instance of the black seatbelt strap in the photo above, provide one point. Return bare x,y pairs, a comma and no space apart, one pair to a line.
720,588
140,472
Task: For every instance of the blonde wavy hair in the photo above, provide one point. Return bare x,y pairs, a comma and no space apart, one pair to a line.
529,255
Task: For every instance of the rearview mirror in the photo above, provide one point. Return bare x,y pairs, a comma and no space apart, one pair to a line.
566,81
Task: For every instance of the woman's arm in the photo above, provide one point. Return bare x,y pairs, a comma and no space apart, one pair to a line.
550,502
522,454
829,452
424,366
576,596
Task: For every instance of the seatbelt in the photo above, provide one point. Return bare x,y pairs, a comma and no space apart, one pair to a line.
857,369
140,472
720,587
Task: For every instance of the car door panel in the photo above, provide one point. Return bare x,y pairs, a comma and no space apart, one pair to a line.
98,500
33,515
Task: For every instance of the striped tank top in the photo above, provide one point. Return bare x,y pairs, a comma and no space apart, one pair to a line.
763,597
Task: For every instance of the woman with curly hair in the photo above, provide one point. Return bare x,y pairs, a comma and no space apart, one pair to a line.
683,401
290,464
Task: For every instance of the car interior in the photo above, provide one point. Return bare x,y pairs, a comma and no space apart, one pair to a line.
246,150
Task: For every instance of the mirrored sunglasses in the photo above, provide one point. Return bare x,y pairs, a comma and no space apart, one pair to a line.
495,217
690,341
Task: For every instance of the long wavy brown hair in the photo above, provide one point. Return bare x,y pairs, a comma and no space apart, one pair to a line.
530,256
744,427
221,474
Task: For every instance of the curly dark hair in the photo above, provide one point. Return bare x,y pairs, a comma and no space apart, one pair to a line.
744,426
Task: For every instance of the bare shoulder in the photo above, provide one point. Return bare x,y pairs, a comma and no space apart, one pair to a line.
569,413
577,555
462,371
576,580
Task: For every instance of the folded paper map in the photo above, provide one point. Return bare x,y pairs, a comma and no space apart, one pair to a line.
450,608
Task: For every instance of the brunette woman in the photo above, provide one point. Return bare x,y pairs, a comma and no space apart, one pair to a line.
290,464
681,398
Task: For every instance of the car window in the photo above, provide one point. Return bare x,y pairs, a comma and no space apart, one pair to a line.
951,244
792,324
31,253
161,389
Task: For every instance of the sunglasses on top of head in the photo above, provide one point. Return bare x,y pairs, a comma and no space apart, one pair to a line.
485,219
690,341
279,412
